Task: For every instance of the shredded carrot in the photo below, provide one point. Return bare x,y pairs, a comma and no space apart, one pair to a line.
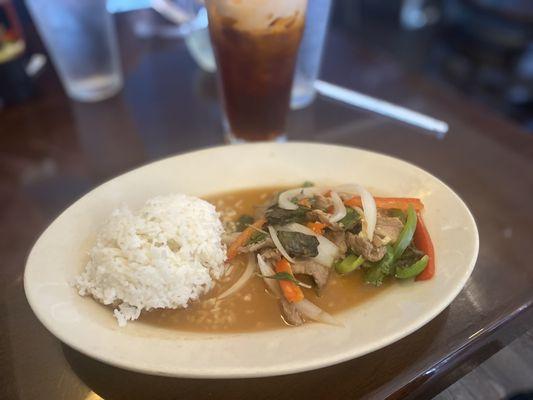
317,227
241,240
290,290
389,202
305,202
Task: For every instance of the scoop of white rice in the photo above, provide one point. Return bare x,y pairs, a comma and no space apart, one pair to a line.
161,256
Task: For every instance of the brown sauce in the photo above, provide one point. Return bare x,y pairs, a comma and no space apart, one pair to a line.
253,308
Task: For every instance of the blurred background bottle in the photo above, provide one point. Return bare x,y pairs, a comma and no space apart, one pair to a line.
15,84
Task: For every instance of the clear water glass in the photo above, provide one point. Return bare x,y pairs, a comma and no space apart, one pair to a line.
310,54
199,44
81,40
191,17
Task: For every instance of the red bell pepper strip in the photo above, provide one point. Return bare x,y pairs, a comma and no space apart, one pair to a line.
388,202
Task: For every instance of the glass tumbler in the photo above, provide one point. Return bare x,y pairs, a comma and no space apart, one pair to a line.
310,54
80,37
255,44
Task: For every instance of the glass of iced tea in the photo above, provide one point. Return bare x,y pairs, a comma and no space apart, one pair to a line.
256,45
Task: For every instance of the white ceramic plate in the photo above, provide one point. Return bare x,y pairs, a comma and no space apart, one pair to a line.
61,252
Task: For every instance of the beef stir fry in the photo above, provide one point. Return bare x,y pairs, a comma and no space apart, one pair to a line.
304,235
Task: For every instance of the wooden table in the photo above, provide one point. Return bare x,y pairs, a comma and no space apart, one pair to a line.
52,151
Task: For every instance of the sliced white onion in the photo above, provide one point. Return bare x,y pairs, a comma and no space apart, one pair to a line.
266,270
245,277
327,250
369,205
311,311
339,211
277,243
370,210
284,199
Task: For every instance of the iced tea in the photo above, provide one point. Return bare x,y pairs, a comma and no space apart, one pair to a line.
256,45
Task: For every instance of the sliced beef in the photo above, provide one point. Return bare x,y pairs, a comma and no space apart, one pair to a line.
290,314
365,248
387,230
339,239
321,216
318,272
318,215
322,202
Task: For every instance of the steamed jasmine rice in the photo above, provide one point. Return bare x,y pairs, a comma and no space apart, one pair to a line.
165,255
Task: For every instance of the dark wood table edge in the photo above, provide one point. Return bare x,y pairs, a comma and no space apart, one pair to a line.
466,358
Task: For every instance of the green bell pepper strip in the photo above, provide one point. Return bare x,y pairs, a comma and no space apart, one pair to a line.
412,270
349,264
406,235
